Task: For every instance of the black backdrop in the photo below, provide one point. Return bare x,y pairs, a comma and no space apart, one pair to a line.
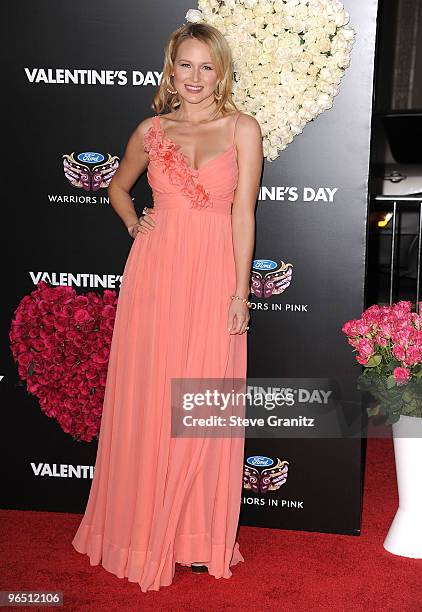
66,235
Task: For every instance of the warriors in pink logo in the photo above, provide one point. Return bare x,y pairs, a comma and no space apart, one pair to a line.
268,479
90,178
269,278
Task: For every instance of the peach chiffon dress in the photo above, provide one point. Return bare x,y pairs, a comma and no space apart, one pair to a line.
158,500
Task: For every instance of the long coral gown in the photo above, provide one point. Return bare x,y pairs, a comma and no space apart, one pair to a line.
158,500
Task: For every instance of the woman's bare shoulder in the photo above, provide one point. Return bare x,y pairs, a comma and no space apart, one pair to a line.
248,136
143,127
248,125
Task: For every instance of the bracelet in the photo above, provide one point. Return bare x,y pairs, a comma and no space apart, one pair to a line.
237,297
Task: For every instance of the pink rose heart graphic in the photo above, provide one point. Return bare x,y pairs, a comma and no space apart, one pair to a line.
61,343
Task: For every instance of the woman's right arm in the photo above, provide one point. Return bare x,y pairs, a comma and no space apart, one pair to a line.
133,164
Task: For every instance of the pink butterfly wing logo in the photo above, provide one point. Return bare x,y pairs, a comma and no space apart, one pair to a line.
89,178
274,282
270,479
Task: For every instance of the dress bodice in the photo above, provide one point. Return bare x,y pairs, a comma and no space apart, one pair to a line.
175,184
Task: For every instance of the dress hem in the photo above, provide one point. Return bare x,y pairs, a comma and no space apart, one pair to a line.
137,566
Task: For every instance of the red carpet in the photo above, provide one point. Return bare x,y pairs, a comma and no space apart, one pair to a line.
284,570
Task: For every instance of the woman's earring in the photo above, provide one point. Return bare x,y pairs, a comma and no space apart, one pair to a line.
171,91
217,93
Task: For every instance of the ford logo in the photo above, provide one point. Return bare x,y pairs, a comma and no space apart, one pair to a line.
259,461
90,157
264,264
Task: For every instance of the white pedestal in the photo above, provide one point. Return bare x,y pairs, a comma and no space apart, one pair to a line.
404,537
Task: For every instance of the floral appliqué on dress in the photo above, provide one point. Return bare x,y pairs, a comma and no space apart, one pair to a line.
166,152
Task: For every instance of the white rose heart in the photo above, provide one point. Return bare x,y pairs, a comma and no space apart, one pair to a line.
288,61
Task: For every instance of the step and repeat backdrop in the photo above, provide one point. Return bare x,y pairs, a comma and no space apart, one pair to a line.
80,77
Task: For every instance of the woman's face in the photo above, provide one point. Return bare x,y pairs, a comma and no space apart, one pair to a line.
194,72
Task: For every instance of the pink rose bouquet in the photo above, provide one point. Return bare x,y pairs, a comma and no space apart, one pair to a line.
388,343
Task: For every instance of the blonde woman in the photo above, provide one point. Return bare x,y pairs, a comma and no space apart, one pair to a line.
156,499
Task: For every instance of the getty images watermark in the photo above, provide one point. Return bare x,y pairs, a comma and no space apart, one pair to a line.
271,408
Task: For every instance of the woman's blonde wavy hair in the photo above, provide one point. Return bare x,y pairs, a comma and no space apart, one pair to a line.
221,56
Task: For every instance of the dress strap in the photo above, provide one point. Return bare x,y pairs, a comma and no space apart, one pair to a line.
234,125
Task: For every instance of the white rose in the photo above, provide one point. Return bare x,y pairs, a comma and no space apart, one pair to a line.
259,9
341,18
284,132
306,57
282,55
274,153
254,47
243,37
311,93
327,75
248,15
324,101
275,140
287,78
273,28
309,37
290,7
194,16
342,60
245,81
348,33
259,72
239,94
310,106
237,18
331,89
296,42
302,82
236,53
320,22
339,44
274,78
296,129
323,44
279,6
301,67
269,43
330,28
250,26
218,22
224,11
264,116
298,100
298,25
301,12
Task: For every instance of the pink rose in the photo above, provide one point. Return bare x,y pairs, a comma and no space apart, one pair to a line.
362,327
348,328
379,339
399,352
401,375
413,355
365,348
362,360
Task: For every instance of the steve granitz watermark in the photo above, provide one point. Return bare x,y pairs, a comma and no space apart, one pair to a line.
261,408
